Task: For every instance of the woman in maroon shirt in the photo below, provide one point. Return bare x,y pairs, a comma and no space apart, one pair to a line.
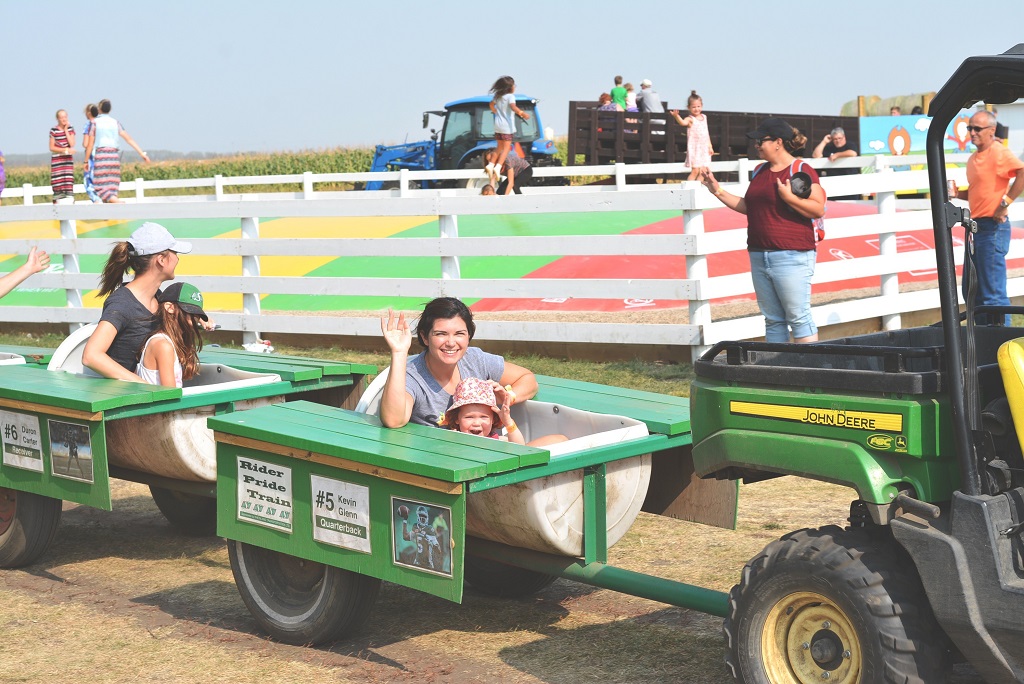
780,234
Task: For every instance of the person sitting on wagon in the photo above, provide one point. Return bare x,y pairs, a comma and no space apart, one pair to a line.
420,389
129,312
475,411
171,354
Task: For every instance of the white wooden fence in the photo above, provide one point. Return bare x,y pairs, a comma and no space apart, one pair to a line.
689,199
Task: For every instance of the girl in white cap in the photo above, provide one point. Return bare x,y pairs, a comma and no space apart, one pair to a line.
171,354
129,312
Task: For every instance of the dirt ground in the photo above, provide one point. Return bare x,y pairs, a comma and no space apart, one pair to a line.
121,596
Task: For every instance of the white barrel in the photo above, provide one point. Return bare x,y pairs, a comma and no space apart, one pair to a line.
176,444
546,514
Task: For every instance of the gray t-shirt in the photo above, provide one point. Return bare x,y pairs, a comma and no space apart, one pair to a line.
133,322
430,401
649,101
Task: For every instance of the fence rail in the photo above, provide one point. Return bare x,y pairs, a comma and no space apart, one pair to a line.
690,200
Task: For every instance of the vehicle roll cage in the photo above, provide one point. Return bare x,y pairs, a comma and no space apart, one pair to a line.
996,79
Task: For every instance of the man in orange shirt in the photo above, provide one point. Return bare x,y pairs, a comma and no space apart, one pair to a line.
989,171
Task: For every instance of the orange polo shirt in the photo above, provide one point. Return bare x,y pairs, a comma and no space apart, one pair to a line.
988,176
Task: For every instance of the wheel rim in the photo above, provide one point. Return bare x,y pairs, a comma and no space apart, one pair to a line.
807,635
8,508
288,589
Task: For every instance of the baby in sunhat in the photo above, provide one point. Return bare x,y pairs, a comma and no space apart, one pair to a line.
475,411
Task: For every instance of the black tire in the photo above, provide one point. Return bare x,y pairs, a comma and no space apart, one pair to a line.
474,162
504,581
28,524
832,600
297,601
190,514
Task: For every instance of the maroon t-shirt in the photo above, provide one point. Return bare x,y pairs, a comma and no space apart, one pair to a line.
771,223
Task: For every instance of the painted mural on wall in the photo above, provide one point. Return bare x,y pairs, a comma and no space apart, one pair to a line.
902,135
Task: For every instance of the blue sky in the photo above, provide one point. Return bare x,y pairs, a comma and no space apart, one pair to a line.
227,76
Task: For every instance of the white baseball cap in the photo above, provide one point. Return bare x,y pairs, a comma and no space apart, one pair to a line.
152,238
646,83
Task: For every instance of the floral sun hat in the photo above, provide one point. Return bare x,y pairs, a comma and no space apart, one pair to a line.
471,391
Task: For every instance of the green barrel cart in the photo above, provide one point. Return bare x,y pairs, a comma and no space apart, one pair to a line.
65,436
320,504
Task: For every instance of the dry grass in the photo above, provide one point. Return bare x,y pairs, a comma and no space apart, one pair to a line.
121,597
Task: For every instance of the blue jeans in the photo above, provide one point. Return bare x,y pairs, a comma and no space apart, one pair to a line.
991,243
90,190
782,283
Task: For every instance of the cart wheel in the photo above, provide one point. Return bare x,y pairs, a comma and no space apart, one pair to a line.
28,523
503,581
831,604
299,601
191,514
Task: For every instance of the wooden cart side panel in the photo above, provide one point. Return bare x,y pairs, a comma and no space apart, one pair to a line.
65,390
377,522
676,491
419,450
72,457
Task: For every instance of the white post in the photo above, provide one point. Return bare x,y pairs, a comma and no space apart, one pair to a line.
307,185
250,267
449,228
218,186
887,248
139,191
69,231
697,269
744,169
620,176
27,196
403,182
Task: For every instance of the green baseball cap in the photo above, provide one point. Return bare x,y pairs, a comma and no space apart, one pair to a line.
188,298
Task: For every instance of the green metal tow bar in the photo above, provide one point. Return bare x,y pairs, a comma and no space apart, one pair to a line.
607,577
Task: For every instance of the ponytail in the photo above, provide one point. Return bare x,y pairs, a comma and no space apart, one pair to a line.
122,259
796,143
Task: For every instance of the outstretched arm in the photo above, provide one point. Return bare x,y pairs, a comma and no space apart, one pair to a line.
37,261
734,202
128,139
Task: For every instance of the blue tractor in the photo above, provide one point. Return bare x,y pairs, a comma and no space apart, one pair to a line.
466,135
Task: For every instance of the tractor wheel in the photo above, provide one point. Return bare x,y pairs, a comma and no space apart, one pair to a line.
831,605
475,162
503,581
190,514
28,524
298,601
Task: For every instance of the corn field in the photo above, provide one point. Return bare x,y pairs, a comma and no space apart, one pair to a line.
339,160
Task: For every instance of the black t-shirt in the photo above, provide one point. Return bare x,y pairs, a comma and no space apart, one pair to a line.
828,151
133,322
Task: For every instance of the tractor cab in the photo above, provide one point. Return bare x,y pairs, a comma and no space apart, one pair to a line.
469,131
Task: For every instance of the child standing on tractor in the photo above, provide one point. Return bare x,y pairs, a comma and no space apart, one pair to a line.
171,354
503,104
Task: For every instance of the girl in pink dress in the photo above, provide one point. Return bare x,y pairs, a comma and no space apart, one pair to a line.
698,140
